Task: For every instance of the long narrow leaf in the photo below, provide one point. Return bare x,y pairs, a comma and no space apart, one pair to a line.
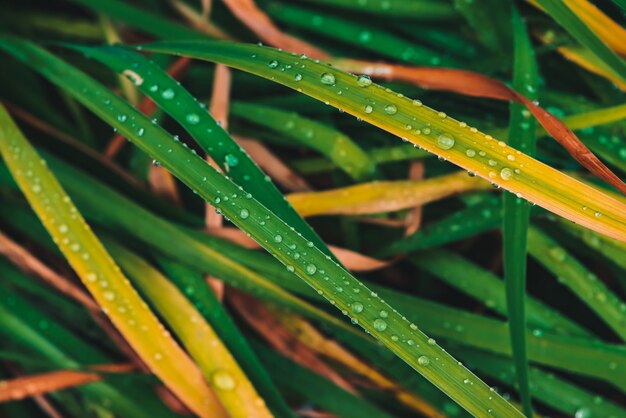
100,274
310,264
516,213
192,115
435,131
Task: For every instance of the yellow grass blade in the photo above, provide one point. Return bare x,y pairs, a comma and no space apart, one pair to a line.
434,131
383,196
220,368
605,28
102,277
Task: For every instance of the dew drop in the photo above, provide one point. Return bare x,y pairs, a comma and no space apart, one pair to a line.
369,109
231,160
272,64
168,94
445,141
582,413
297,77
380,325
506,173
192,118
311,269
223,380
423,361
364,80
328,79
391,109
278,238
243,214
357,307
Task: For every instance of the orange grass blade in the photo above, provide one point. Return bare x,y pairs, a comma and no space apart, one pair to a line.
474,84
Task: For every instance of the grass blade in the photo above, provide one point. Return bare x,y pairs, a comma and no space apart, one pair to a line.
496,36
547,387
515,212
338,147
485,287
194,286
341,289
219,367
100,274
566,17
402,9
602,25
476,219
184,108
434,131
20,326
358,35
384,196
113,211
583,283
144,20
329,396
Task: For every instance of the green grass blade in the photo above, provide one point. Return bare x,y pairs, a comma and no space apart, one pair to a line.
496,36
464,223
50,300
46,341
338,147
99,272
336,284
565,17
516,213
613,250
621,3
432,130
358,35
547,388
377,155
572,354
402,9
483,286
319,390
185,109
144,20
191,283
586,285
113,211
